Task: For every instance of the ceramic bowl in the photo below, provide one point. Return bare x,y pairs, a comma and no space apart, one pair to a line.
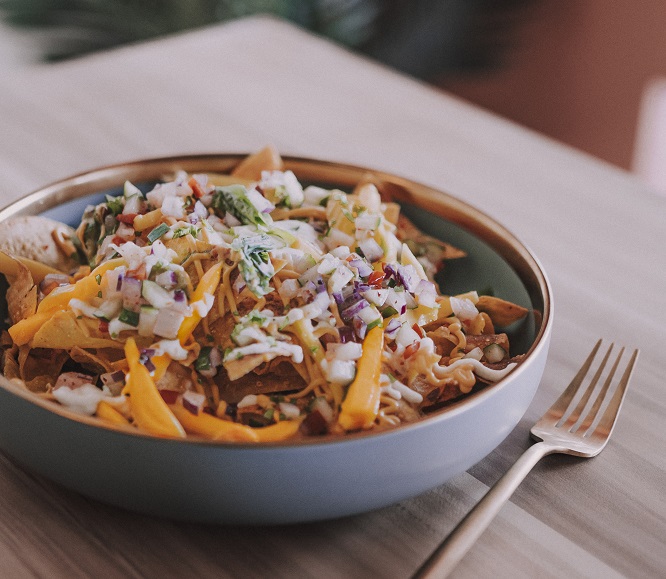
290,481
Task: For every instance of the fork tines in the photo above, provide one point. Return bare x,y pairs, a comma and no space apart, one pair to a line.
594,408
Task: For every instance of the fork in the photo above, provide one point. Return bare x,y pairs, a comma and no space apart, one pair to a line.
575,424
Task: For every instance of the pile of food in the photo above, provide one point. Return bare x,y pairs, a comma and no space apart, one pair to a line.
244,307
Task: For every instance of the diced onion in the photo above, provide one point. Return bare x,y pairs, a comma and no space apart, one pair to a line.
463,308
347,351
193,401
168,323
371,249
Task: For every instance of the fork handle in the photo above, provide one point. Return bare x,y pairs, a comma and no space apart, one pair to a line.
455,546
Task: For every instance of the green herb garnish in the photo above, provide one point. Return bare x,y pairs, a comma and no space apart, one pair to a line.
203,360
255,264
129,317
158,232
233,199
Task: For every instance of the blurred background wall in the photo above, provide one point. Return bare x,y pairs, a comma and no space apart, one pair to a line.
578,71
575,70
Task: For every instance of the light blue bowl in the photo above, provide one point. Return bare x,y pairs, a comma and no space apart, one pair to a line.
292,481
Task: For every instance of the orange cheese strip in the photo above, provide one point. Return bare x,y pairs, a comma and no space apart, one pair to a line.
149,410
207,285
109,414
360,406
83,289
213,428
23,331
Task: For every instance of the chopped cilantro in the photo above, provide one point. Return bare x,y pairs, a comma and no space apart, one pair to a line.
129,317
203,360
115,204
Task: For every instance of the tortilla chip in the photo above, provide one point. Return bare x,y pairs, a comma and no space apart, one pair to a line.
34,237
423,244
10,366
501,312
268,159
22,294
39,368
90,361
283,377
64,331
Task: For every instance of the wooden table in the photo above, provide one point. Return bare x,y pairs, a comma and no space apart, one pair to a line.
599,233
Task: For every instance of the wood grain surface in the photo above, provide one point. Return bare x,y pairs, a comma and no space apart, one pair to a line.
599,234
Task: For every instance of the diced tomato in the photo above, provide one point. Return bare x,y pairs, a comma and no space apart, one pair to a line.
419,330
197,190
411,349
104,327
376,278
127,218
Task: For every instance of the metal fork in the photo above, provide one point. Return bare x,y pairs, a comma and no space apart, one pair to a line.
573,425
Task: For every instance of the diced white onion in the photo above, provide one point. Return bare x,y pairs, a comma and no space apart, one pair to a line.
336,238
340,252
347,351
476,353
324,408
147,319
339,371
328,264
168,323
230,220
406,336
132,253
289,289
193,401
371,249
314,195
173,206
340,278
248,400
376,296
260,202
463,308
289,410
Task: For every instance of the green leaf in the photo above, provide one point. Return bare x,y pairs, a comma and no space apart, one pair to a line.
115,204
255,264
129,317
233,199
203,360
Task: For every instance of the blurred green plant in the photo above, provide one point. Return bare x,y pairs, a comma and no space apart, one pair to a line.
425,38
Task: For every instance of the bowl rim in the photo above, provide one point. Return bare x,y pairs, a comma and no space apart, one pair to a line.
462,213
